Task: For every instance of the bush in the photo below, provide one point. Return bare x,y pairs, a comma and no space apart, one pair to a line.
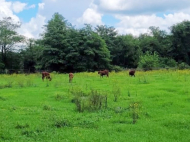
183,65
167,62
116,68
90,102
149,61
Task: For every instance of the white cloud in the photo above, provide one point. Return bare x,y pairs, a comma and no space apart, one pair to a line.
134,16
140,24
133,7
18,6
33,28
71,10
31,6
114,5
41,5
5,10
90,16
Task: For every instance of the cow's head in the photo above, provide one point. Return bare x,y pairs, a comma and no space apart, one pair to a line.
48,77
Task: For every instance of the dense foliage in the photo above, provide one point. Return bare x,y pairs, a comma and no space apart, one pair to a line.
63,48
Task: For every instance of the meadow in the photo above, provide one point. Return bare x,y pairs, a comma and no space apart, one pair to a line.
153,106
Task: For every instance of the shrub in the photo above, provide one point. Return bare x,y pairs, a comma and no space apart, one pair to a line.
96,100
90,102
182,66
134,108
116,68
149,61
167,62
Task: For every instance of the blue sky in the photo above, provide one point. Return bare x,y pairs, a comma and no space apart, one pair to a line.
109,20
127,16
26,14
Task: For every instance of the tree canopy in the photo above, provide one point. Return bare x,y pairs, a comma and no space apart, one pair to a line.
8,39
64,48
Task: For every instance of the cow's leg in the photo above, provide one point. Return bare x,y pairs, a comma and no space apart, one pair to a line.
70,79
43,78
47,77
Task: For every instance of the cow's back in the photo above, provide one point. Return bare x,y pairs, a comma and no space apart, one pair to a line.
70,77
132,72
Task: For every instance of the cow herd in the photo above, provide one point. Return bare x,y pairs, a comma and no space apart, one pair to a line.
101,73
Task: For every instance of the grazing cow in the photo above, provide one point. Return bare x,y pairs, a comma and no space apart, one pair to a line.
132,73
104,72
70,77
46,75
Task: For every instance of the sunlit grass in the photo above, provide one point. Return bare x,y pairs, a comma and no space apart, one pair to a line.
152,106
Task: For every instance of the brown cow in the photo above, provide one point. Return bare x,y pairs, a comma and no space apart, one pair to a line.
70,77
46,75
104,72
132,73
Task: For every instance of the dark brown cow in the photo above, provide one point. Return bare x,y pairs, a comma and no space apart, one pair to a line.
104,72
132,73
70,77
46,75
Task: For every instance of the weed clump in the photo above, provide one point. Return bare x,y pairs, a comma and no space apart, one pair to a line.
20,83
29,82
116,93
58,97
9,84
21,126
32,134
91,101
62,123
46,107
134,108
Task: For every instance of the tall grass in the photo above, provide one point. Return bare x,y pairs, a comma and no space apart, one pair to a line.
152,106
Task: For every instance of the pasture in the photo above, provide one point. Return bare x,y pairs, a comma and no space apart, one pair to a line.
153,106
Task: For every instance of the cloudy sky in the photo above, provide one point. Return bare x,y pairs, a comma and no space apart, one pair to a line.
127,16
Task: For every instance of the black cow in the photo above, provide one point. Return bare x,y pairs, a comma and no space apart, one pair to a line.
132,73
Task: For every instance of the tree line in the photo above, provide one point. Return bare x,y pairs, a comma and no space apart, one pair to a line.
64,48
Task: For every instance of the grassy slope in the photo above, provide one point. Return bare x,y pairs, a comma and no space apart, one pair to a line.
33,110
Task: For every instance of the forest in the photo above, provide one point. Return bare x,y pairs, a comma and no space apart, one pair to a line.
64,48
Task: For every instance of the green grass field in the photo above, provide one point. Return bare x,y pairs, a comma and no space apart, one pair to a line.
153,106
